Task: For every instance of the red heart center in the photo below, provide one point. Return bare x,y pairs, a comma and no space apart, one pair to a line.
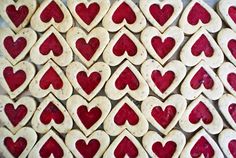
232,13
162,48
232,47
14,80
231,78
166,151
202,77
202,45
51,111
51,147
164,117
17,147
88,83
202,146
17,16
127,77
126,113
51,43
87,49
232,147
163,82
51,78
87,14
124,44
200,111
15,115
126,147
87,150
14,48
198,12
124,11
232,111
161,15
88,118
52,10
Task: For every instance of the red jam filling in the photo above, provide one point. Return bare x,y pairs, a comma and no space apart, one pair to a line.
87,150
17,16
232,111
232,147
15,148
232,47
232,13
166,151
231,78
202,45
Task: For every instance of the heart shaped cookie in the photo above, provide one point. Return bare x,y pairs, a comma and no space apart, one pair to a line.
16,46
164,115
201,144
51,12
88,13
126,79
227,41
199,14
14,79
92,146
124,45
170,146
227,142
88,82
51,45
201,113
15,115
161,13
163,80
124,13
227,106
51,113
17,14
88,116
202,79
227,74
125,145
162,46
227,10
126,115
17,145
88,47
50,79
202,46
50,145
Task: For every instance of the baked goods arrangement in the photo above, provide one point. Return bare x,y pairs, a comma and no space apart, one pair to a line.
101,78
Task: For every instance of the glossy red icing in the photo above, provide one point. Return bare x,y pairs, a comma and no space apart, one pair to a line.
18,15
126,147
14,48
232,47
14,79
51,77
166,151
87,150
202,77
51,43
124,44
202,45
232,147
198,13
87,14
17,147
232,13
124,12
126,113
165,117
127,77
89,118
87,49
161,15
232,111
15,115
162,48
231,78
52,10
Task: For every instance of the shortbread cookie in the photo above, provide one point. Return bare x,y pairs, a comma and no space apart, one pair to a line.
88,13
124,13
126,115
124,45
51,45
